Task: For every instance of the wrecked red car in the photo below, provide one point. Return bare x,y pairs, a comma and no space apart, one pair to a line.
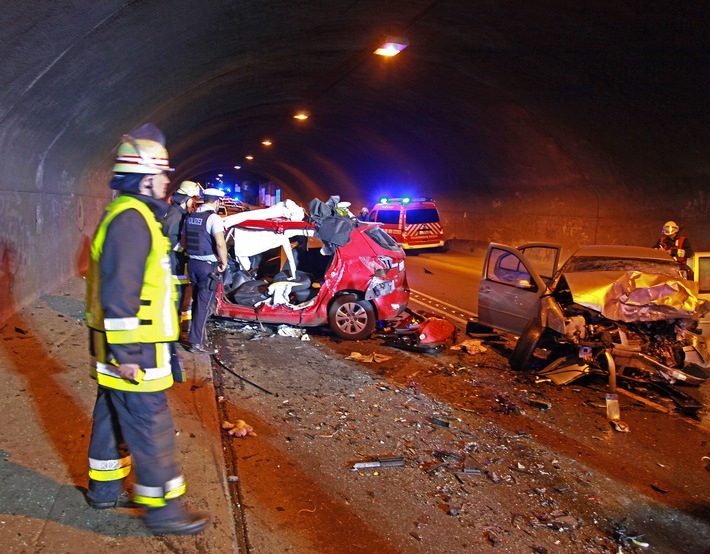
349,287
616,310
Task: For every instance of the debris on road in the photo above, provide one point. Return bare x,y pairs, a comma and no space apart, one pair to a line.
239,429
470,346
286,331
368,358
380,462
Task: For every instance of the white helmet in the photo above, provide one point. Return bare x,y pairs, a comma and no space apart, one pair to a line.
213,193
189,188
669,228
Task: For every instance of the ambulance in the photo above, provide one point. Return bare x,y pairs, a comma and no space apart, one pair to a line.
412,222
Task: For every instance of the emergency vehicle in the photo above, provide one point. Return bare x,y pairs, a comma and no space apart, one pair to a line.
412,222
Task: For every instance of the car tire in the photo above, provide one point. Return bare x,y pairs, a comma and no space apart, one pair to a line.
351,318
527,343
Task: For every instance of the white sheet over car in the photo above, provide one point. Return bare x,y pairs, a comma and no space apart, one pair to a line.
631,296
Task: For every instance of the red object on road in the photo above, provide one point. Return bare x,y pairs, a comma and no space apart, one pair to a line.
435,329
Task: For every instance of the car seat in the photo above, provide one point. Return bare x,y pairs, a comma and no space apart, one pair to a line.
249,293
301,290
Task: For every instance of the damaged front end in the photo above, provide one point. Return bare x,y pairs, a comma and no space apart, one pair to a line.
644,321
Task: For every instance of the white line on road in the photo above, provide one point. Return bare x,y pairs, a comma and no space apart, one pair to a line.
461,316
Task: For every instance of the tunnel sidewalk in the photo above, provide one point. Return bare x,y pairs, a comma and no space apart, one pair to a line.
46,402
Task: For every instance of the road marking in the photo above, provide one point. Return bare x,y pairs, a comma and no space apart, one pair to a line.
441,307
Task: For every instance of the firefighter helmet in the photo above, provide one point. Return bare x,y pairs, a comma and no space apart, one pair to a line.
189,188
670,227
142,151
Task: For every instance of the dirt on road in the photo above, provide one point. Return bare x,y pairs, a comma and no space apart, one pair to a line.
360,447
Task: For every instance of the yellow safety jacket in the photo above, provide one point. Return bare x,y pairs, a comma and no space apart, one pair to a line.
156,321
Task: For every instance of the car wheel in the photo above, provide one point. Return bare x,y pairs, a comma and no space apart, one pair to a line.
527,343
351,318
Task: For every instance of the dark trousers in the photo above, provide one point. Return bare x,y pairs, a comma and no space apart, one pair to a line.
202,299
142,423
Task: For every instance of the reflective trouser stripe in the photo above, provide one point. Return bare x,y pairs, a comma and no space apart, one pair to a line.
175,487
109,470
156,496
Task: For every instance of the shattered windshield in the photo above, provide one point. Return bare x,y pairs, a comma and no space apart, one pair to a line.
596,263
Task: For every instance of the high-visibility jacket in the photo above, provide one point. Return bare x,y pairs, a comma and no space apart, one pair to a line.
156,321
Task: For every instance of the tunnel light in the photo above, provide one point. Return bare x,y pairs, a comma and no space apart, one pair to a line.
392,46
249,157
266,142
302,115
237,167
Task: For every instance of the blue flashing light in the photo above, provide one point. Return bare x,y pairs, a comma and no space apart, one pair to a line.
384,200
406,200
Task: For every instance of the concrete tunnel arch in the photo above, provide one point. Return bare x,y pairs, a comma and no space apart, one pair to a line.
574,124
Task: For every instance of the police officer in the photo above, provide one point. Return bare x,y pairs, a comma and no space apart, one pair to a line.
131,315
207,252
676,245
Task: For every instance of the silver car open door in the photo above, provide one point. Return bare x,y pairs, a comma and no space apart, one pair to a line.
511,286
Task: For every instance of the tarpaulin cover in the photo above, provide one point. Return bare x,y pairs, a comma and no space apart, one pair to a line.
634,296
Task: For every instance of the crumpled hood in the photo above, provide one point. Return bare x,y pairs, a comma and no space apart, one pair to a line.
634,296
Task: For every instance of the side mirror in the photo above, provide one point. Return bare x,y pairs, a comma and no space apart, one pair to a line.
523,283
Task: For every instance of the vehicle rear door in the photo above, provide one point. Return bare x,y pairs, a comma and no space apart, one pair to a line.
511,286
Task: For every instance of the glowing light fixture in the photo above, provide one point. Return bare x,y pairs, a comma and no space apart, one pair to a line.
392,46
237,167
302,115
249,157
266,142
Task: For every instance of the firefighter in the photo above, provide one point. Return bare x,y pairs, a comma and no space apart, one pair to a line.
363,215
183,203
130,311
207,250
676,245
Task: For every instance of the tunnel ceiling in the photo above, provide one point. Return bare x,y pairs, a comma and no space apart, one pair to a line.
489,97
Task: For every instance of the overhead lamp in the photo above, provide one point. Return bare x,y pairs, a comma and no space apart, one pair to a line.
266,142
302,115
392,46
249,157
237,167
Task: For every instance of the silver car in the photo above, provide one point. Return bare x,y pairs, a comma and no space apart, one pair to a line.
616,310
